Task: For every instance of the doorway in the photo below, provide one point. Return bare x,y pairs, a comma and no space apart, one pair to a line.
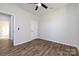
6,41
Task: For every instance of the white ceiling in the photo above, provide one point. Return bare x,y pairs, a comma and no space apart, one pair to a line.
31,7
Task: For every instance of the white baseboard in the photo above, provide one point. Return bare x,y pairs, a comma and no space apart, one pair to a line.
61,42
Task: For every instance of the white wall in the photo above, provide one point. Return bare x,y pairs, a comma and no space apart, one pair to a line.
60,25
78,25
22,20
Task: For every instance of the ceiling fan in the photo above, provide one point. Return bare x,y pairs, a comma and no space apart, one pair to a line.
38,5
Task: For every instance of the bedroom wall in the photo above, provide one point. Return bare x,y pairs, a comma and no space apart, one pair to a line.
22,20
60,25
78,25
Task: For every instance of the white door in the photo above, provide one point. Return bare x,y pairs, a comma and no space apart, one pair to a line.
34,29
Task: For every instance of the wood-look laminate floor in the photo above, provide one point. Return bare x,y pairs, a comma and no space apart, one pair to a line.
39,47
5,43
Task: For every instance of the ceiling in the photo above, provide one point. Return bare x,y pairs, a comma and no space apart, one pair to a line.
31,7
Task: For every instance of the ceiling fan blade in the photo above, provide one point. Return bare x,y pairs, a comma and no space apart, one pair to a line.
44,6
36,8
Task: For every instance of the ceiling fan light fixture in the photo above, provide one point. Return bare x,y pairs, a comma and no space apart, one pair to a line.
39,4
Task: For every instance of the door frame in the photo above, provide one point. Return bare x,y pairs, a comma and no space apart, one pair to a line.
11,25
